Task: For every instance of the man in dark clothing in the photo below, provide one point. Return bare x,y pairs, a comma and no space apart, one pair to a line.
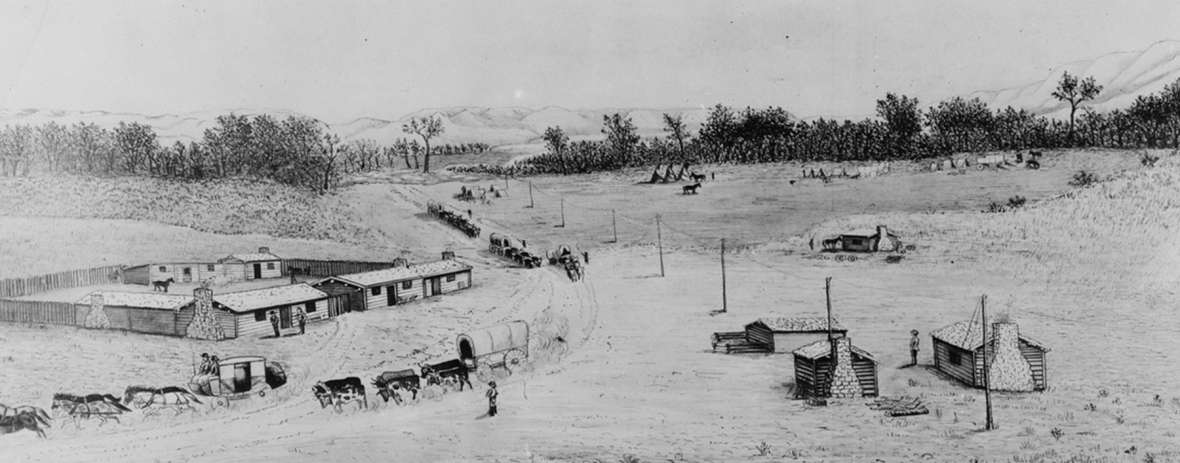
302,319
492,395
274,323
914,347
469,213
586,256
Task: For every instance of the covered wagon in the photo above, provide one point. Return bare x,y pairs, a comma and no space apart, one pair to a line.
501,346
239,377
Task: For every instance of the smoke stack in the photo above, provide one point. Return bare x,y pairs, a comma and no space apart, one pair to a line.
448,255
263,250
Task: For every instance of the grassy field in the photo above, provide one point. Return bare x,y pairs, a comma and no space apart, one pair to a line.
1092,275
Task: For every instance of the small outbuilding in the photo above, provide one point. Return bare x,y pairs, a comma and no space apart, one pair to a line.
855,373
864,241
153,313
250,309
785,334
399,285
1016,362
254,266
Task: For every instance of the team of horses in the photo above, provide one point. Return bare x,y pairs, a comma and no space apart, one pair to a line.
103,407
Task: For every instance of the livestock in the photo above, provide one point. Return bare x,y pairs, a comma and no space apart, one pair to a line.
162,285
690,189
389,384
177,398
37,412
22,420
340,391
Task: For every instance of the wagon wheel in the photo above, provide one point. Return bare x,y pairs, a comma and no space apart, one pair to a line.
262,393
483,370
514,358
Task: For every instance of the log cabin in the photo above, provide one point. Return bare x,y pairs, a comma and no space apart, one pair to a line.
959,350
251,309
785,334
402,284
813,367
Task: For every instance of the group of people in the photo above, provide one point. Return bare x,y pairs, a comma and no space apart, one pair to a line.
300,319
209,364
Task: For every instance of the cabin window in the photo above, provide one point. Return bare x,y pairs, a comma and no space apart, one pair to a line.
856,242
260,316
309,307
270,265
408,284
451,277
376,291
209,268
955,357
163,268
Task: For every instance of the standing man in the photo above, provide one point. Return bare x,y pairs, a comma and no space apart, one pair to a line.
469,213
586,257
492,395
914,348
301,317
274,323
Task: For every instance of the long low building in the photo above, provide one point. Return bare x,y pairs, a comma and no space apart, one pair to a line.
251,309
399,285
141,312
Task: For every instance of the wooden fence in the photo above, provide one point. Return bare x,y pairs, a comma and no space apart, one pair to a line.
327,268
16,287
55,313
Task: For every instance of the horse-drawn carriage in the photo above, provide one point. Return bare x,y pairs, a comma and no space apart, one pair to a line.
501,346
239,378
510,248
566,257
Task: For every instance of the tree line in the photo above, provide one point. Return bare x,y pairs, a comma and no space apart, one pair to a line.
298,151
901,130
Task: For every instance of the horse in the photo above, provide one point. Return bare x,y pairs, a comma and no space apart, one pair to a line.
37,412
690,189
163,284
697,177
22,420
177,398
103,406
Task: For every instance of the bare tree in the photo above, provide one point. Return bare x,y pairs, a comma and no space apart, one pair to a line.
674,125
1071,91
427,128
329,151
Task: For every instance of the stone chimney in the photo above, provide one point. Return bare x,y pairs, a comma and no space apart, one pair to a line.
263,250
400,262
448,255
843,383
96,317
1008,370
204,324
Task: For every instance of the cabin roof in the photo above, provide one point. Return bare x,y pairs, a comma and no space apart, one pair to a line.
241,359
821,349
799,324
409,272
141,300
253,257
248,301
968,335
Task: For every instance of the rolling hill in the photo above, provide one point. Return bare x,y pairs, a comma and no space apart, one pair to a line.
1125,75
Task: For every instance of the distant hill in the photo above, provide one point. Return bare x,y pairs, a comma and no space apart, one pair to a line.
495,126
1125,75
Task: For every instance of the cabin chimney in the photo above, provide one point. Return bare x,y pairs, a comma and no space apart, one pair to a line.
97,316
1008,369
400,262
263,250
204,324
448,255
843,382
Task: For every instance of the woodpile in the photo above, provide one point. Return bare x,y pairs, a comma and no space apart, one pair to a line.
902,406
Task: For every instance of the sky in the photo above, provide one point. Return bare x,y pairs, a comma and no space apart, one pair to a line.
339,60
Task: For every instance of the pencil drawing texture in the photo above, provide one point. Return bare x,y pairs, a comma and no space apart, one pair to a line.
538,231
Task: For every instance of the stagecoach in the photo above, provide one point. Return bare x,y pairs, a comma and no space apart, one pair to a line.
502,346
239,378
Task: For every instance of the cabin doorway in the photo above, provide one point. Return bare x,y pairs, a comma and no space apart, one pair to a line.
465,350
242,377
285,317
435,286
187,275
257,271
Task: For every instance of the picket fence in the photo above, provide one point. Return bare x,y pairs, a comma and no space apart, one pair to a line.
54,313
16,287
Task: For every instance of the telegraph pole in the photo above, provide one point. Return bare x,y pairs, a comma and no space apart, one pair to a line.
562,212
660,245
828,298
531,204
505,183
724,298
613,227
987,387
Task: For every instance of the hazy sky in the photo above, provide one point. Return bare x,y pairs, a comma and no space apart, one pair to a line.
338,60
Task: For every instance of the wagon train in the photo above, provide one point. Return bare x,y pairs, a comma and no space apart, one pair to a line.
501,346
390,385
455,219
513,249
239,378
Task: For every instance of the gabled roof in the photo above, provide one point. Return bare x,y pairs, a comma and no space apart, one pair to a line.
968,335
800,324
248,301
868,233
410,272
141,300
253,257
821,349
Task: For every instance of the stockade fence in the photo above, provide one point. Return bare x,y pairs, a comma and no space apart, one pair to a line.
327,268
54,313
16,287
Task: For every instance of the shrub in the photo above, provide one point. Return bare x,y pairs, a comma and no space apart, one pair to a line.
1083,178
629,458
763,449
1056,433
1148,160
1016,201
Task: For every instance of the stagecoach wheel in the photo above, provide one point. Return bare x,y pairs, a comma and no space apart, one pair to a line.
262,393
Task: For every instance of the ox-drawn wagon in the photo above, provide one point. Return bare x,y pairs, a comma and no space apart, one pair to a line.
501,346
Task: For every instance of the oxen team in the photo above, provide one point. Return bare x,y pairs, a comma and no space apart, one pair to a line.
391,385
